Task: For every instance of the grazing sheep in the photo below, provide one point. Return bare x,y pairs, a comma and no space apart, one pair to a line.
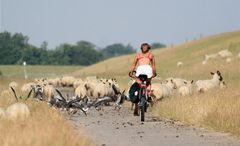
178,82
186,89
17,111
77,82
229,60
179,64
27,87
41,81
205,85
55,82
204,62
2,114
67,81
13,84
160,91
210,56
48,92
81,91
225,53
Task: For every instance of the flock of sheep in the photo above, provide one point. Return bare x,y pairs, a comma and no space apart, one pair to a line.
223,54
89,92
96,92
184,87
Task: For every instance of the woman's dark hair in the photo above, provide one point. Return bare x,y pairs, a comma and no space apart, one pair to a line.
145,44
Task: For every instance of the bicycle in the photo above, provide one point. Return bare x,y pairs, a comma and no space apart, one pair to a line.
143,95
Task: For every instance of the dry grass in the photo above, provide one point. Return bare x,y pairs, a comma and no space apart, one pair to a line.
45,127
217,109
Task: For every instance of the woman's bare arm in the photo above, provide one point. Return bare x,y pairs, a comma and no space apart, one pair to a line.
153,62
134,64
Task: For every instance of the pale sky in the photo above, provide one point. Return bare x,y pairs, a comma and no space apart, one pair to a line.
104,22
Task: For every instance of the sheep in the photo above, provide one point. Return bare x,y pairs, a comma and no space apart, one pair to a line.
239,55
178,82
228,60
210,56
77,82
48,92
205,85
2,114
102,88
67,81
186,89
17,111
13,84
179,64
204,62
27,87
40,81
81,91
161,90
55,82
225,53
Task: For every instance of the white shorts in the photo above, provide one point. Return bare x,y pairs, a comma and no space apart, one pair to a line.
144,69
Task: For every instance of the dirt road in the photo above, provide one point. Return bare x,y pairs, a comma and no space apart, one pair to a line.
112,128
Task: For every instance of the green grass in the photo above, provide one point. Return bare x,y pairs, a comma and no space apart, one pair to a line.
16,73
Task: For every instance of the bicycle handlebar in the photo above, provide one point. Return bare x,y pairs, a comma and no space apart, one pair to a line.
130,74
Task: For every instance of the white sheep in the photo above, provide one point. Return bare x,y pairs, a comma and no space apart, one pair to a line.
17,111
27,87
81,91
55,82
101,88
186,89
179,64
13,84
178,82
77,82
161,90
48,92
67,81
205,85
225,53
210,56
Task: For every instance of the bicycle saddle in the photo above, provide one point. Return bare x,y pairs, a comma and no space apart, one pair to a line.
143,77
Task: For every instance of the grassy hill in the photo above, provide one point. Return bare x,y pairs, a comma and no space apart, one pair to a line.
191,54
217,109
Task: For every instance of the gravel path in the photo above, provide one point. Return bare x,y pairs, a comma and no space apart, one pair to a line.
112,128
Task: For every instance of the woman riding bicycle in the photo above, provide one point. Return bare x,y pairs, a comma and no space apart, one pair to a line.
144,63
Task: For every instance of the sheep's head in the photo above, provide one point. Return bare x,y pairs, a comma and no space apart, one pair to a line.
217,75
171,84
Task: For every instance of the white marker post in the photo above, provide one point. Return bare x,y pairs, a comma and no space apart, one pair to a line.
24,69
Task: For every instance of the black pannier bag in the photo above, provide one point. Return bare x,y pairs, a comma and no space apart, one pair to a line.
134,93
